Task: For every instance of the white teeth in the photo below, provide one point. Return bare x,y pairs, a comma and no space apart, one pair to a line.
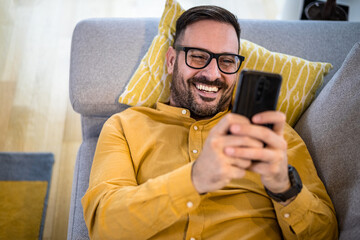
206,88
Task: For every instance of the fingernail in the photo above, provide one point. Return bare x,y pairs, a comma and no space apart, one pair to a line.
236,128
229,150
256,118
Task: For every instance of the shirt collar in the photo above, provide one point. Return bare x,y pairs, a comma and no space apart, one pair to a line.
183,112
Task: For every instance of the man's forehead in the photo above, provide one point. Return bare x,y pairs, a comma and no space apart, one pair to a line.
211,35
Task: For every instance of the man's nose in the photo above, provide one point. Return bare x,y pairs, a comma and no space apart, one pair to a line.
212,71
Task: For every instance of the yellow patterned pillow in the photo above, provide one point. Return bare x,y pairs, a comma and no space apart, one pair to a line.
301,78
151,83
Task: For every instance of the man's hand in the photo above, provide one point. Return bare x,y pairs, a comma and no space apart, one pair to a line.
227,156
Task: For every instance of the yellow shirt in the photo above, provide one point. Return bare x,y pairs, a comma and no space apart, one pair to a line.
140,186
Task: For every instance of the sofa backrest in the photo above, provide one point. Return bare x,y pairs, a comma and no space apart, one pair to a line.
106,52
330,127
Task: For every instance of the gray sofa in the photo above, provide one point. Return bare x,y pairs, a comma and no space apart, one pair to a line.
105,53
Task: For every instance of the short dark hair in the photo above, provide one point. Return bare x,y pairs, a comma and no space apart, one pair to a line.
207,12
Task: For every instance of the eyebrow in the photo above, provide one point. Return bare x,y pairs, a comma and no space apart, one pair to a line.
204,49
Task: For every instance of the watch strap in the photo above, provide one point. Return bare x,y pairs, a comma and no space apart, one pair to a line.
294,190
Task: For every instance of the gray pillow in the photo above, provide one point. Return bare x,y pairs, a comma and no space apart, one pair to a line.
331,129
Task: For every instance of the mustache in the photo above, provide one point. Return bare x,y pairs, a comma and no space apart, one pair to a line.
216,83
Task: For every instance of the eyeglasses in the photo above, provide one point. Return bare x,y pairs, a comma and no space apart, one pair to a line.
197,58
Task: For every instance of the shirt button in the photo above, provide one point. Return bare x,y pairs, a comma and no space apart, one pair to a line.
183,111
196,128
286,215
195,151
189,204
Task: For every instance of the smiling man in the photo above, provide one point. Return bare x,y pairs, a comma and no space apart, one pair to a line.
208,91
185,170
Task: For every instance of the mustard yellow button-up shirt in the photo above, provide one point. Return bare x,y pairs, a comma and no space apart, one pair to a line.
140,186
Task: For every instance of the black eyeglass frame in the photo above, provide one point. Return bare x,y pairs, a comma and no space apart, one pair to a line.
212,55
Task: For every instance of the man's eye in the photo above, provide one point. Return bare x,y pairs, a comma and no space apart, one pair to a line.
198,57
228,60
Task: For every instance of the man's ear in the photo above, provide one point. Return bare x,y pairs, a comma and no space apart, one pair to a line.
170,59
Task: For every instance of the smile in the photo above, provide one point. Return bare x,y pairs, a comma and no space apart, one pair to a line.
205,88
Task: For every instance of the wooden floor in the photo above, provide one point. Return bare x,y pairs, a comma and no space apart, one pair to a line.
36,115
35,112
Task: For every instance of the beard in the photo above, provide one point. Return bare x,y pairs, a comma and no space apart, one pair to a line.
182,95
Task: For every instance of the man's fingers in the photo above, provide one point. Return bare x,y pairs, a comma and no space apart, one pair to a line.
223,127
241,163
263,134
263,155
237,172
232,141
276,118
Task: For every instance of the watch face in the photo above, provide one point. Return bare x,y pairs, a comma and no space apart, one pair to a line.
295,179
296,186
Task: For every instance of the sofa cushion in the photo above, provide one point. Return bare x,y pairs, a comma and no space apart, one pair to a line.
331,129
151,83
77,227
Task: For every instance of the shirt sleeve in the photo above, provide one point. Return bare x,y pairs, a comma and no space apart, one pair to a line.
116,207
311,214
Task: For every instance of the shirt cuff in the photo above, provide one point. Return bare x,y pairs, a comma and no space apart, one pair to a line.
182,192
293,213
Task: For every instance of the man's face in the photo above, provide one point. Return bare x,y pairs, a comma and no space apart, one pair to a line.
206,91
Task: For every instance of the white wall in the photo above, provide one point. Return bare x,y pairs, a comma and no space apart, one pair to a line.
243,9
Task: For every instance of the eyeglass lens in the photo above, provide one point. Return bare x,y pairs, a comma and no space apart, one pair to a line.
199,59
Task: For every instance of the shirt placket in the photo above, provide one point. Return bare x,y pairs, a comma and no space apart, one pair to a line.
196,217
194,141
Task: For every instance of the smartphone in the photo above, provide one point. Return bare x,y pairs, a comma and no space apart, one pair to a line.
256,92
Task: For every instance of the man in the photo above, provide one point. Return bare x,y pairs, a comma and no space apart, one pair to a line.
185,170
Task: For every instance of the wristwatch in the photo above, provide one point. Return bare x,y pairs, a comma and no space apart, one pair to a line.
296,186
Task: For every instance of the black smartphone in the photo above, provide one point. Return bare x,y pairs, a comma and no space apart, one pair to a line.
256,92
